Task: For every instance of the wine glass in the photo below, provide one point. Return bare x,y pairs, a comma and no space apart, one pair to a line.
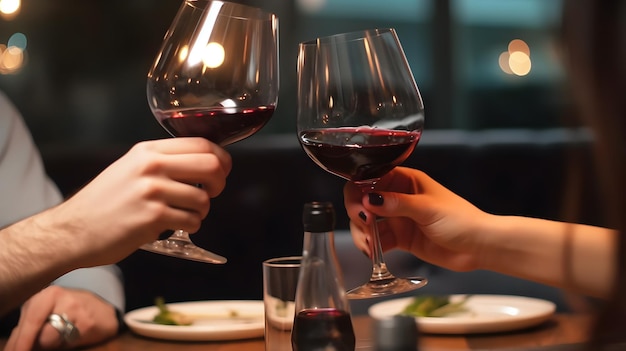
215,76
360,114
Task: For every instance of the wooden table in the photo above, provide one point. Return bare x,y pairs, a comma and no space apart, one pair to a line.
562,329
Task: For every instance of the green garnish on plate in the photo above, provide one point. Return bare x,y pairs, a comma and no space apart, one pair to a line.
167,317
434,306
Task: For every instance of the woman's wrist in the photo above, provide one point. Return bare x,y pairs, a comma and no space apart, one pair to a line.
489,231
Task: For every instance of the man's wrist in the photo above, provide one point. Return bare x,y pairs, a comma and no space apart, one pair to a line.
121,324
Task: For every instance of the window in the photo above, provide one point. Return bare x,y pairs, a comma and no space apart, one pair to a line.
506,67
84,68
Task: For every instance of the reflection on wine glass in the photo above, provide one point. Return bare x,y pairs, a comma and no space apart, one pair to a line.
360,114
215,76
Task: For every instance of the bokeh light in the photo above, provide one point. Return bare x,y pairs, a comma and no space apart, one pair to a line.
213,55
18,40
11,59
503,61
519,63
10,8
519,45
516,60
12,54
183,53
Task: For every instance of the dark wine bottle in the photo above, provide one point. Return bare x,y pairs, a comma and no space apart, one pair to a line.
322,320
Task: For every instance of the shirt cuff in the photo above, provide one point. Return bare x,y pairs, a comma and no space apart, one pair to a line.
104,281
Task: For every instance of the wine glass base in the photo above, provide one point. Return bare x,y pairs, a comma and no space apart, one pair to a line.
183,249
385,287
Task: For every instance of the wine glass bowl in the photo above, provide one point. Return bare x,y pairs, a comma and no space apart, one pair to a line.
361,154
215,76
360,114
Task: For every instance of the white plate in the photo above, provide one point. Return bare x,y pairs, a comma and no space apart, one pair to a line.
485,314
217,326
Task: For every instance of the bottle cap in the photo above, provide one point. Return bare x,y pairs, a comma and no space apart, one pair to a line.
318,217
397,333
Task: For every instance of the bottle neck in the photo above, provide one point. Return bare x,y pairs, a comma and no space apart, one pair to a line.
321,282
320,245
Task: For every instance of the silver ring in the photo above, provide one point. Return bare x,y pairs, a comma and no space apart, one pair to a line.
69,332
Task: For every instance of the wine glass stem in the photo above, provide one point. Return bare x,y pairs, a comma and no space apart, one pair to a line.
180,236
379,268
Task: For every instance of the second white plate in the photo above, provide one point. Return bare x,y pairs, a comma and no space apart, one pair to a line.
485,314
204,329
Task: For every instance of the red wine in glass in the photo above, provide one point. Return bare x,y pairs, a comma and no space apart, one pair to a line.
222,126
323,329
360,154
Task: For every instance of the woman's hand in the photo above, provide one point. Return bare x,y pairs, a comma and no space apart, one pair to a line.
420,216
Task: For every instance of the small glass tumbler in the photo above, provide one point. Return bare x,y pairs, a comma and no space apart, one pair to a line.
280,280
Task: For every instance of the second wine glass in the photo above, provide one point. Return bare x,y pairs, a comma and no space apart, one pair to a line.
216,76
360,114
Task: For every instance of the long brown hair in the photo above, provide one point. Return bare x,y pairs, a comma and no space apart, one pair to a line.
594,33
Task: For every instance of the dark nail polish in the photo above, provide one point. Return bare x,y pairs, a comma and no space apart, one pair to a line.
376,199
363,216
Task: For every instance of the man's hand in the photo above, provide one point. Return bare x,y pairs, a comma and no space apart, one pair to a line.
93,317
